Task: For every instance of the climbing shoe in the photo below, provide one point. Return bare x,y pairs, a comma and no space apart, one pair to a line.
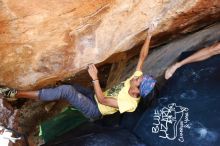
8,93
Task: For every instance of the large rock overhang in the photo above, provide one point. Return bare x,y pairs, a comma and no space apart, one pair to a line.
43,42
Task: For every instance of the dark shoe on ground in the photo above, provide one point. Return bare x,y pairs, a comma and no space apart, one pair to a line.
8,93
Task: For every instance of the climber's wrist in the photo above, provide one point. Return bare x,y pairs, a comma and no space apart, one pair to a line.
95,80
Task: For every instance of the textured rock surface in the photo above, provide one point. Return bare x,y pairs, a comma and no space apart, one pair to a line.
162,57
8,116
42,42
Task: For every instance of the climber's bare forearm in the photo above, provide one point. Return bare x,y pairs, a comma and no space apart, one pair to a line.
143,53
93,72
101,98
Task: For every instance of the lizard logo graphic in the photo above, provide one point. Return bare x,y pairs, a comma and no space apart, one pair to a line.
170,121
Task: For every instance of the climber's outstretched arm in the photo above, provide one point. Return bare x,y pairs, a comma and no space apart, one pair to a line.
93,72
144,52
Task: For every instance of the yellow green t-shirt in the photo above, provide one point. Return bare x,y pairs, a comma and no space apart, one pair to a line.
126,103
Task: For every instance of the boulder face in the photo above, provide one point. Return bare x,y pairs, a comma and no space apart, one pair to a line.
8,116
42,42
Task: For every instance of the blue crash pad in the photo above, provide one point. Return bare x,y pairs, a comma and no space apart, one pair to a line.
187,112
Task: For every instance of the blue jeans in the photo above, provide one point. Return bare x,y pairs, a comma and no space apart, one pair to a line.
78,96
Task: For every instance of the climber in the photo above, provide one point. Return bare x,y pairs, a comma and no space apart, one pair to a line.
123,97
202,54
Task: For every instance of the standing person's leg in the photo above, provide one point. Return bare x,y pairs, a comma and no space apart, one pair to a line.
198,56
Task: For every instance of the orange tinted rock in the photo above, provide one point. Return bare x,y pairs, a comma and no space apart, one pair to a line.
42,42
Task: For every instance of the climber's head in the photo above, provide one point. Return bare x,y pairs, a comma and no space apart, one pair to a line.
141,86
